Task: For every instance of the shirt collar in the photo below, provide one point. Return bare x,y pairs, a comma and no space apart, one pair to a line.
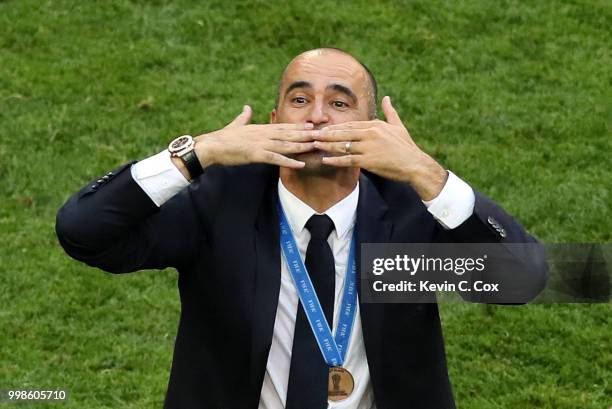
343,213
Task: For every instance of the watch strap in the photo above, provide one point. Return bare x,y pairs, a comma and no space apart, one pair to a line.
192,163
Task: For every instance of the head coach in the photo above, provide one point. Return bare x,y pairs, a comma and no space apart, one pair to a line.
245,211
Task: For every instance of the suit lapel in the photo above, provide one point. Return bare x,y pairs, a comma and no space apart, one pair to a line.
373,226
267,282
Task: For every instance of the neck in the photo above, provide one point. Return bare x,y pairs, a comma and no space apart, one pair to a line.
320,191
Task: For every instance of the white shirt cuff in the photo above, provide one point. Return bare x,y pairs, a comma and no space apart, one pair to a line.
454,204
158,177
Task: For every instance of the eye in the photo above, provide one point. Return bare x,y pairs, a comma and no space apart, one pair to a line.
339,104
298,100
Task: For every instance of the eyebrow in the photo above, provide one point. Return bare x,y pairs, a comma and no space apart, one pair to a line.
344,90
298,84
336,87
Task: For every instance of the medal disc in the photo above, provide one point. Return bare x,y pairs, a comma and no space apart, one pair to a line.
340,384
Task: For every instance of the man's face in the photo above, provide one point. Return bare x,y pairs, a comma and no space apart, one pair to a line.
322,87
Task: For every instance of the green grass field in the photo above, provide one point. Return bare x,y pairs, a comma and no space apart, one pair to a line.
514,96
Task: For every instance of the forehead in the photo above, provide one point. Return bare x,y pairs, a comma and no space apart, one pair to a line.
321,68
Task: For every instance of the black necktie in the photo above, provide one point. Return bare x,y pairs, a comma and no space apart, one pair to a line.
308,374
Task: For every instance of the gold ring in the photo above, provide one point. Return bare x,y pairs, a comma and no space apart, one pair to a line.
347,147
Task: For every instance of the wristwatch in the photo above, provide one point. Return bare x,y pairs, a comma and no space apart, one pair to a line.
183,148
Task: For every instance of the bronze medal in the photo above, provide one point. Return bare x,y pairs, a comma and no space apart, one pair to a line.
340,384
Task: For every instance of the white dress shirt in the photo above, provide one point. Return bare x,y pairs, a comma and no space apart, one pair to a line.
276,379
161,180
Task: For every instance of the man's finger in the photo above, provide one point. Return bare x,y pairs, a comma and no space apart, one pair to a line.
341,135
244,118
390,112
289,127
352,125
292,136
347,161
274,158
339,147
286,147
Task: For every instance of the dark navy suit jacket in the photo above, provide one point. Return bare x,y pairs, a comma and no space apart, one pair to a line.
222,235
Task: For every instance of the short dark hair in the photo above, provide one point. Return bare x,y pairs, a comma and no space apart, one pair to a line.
371,78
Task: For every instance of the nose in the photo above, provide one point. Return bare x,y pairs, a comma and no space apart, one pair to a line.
317,115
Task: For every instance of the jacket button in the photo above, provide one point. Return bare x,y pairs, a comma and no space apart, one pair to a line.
94,187
105,178
498,227
100,181
493,222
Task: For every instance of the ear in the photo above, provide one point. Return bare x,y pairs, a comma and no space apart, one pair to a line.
273,116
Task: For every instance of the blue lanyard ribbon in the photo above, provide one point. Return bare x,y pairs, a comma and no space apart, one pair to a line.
333,349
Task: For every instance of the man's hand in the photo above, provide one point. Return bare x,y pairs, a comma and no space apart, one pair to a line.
240,143
384,148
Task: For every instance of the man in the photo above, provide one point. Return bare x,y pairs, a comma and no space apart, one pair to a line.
328,170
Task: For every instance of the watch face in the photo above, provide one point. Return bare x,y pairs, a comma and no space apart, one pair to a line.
180,143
